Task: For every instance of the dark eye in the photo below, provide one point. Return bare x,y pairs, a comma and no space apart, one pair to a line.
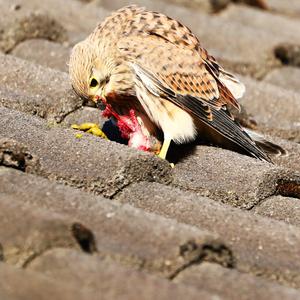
94,83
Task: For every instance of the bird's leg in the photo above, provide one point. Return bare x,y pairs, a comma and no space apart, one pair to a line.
164,149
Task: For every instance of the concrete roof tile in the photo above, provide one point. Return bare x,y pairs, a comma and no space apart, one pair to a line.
84,115
211,172
280,208
26,232
281,7
279,25
121,232
272,107
97,274
44,52
17,25
77,18
260,245
285,77
16,284
292,158
233,284
35,89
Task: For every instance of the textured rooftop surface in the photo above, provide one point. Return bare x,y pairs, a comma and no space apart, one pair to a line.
88,218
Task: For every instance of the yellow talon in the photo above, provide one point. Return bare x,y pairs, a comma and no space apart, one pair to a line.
84,126
91,128
97,132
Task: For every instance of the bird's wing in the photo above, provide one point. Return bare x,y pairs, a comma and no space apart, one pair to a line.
181,68
141,22
179,75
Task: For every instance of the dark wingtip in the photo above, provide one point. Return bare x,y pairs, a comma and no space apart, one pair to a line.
271,148
267,147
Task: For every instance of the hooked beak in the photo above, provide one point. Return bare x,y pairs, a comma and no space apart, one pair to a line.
100,100
100,96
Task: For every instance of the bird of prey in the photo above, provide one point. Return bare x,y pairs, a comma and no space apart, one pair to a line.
153,76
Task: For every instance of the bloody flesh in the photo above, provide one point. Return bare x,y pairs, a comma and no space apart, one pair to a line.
129,127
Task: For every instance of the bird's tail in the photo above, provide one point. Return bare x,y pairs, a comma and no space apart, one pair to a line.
265,145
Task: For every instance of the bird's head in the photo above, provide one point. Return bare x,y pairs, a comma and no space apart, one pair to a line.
90,71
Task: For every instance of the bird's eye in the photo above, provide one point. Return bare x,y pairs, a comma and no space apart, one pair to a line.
94,83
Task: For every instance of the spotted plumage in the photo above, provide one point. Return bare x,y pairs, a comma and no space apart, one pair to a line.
149,62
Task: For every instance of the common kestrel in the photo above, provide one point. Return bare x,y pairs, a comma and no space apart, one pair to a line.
153,75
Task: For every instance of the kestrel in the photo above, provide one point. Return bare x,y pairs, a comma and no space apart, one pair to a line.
153,76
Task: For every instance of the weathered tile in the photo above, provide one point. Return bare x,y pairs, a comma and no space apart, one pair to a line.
231,177
281,7
44,52
15,155
288,29
84,115
18,24
285,77
123,233
234,285
260,245
35,89
292,158
77,18
109,279
26,232
289,53
280,208
274,109
256,3
16,284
